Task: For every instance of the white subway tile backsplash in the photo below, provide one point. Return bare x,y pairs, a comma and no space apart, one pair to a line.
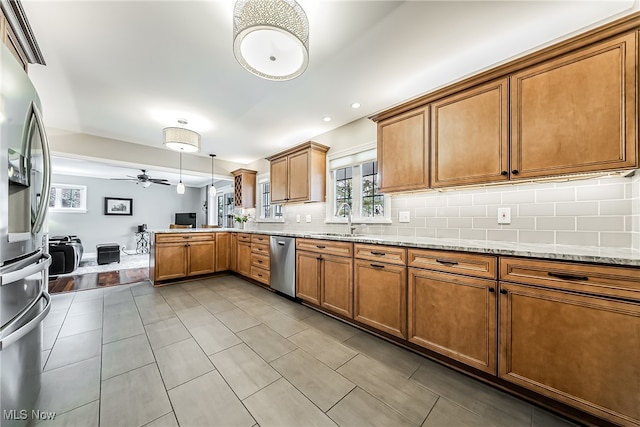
426,232
473,234
580,238
600,192
615,207
473,211
460,200
493,198
460,223
513,197
415,202
523,223
601,223
536,209
486,223
547,237
502,235
556,223
576,208
556,195
450,211
616,240
448,233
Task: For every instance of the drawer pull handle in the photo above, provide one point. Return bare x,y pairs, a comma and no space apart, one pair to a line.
378,253
441,261
259,275
503,291
186,237
259,261
377,266
568,276
492,289
320,246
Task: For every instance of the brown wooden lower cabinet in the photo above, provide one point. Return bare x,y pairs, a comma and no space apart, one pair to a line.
170,261
455,316
223,251
336,288
582,350
380,296
308,276
201,258
183,255
233,252
244,258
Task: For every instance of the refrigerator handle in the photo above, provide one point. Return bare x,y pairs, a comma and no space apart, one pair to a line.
34,268
28,327
44,200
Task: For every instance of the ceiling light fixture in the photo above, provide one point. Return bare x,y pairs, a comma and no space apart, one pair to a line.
180,188
271,38
326,118
355,105
181,139
146,184
212,189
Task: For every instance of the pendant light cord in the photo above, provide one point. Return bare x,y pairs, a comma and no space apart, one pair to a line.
181,166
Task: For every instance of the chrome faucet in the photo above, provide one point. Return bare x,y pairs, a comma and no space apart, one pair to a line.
346,205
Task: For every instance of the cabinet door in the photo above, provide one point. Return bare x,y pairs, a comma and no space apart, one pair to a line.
403,156
170,261
581,350
233,254
380,298
201,257
576,113
299,176
244,258
455,316
308,276
223,251
337,285
470,136
279,180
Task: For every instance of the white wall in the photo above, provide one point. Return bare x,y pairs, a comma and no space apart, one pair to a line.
154,206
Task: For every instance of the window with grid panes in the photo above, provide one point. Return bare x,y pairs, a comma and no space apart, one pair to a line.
372,199
268,210
344,189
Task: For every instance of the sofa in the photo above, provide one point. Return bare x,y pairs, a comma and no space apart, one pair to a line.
66,253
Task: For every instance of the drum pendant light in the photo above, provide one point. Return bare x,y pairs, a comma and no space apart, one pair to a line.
212,189
271,38
180,188
181,139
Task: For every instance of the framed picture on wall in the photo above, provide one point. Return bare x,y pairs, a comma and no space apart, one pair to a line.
118,206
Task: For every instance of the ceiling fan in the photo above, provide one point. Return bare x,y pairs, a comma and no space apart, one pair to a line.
143,179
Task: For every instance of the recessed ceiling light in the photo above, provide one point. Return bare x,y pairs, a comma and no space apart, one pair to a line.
326,118
355,105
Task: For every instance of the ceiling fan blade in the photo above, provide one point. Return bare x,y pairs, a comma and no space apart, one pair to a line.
159,182
124,179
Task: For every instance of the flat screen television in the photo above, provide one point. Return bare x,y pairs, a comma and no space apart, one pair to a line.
187,218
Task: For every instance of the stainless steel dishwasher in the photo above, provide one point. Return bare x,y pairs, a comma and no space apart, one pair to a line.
283,265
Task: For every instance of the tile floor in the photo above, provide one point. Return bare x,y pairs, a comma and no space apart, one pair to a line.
224,352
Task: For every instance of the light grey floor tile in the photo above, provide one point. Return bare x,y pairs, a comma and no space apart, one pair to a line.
49,335
208,401
322,385
172,291
80,323
216,304
282,324
44,357
116,295
62,301
403,361
88,294
80,383
359,408
168,420
254,306
134,398
142,288
166,332
244,370
280,404
237,320
86,306
194,317
542,418
182,362
85,416
149,299
127,307
267,343
214,337
75,348
387,385
155,312
54,318
121,326
125,355
191,286
447,414
181,302
491,404
203,293
323,348
329,326
292,309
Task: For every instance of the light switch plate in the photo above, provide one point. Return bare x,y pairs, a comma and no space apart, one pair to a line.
404,216
308,218
504,215
297,217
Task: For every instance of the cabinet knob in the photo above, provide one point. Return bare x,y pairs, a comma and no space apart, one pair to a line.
492,289
515,172
503,291
504,173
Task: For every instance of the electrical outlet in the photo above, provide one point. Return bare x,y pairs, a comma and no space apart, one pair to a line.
297,217
504,215
308,218
404,216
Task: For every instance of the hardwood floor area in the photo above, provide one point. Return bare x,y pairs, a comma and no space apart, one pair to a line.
97,280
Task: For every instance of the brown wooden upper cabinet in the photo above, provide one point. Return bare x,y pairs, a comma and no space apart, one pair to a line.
244,188
470,136
576,113
403,155
299,174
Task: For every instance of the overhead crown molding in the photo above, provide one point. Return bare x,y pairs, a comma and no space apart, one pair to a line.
17,19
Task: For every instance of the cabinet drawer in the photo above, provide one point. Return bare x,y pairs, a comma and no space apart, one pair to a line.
259,248
260,238
262,261
184,237
622,282
388,254
328,247
484,266
244,237
260,274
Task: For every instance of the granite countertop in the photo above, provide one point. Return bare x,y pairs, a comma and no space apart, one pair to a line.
601,255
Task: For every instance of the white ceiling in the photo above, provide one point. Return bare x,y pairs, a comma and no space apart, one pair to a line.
127,69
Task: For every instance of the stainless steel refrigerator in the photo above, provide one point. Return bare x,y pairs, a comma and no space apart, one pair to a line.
24,196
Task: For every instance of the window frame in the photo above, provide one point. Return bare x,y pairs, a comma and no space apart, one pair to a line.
263,179
58,188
